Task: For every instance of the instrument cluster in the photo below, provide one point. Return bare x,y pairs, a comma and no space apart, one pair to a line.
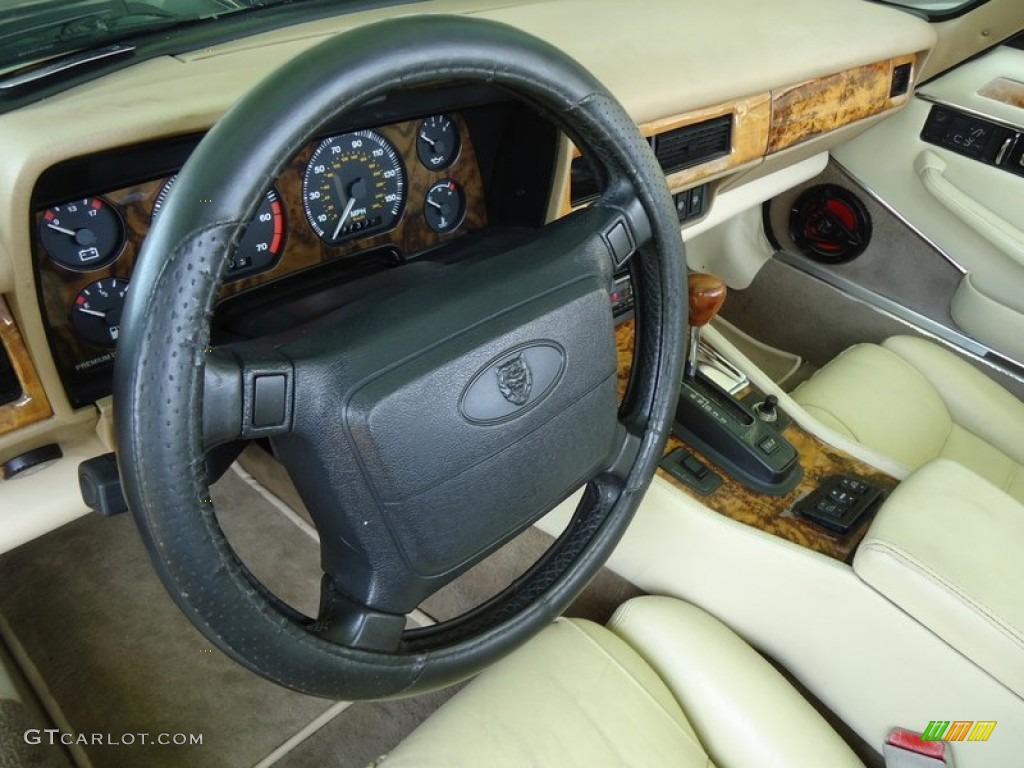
403,188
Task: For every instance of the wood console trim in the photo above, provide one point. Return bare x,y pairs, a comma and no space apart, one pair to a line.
773,514
818,106
751,119
1004,90
33,405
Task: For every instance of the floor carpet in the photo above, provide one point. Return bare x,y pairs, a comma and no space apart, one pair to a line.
118,657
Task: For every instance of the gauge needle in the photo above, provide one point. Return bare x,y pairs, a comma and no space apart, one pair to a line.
427,139
62,230
439,206
93,312
344,215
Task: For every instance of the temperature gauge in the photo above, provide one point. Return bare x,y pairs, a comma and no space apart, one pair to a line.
445,206
82,235
96,313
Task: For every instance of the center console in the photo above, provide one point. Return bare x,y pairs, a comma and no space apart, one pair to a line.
739,453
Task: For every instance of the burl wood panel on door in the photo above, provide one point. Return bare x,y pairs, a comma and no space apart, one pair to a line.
1005,90
773,514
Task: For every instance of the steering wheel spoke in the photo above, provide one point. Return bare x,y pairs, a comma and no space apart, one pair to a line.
247,394
344,621
627,227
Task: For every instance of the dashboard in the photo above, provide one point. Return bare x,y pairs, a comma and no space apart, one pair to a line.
368,198
762,103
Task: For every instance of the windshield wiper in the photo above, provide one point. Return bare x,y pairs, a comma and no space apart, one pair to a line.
57,66
42,30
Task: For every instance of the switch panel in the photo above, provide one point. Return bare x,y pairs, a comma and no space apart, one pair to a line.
840,503
974,137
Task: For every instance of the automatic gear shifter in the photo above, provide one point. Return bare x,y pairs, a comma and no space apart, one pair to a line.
719,426
707,295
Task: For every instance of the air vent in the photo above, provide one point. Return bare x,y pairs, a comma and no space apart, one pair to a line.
900,80
694,144
10,387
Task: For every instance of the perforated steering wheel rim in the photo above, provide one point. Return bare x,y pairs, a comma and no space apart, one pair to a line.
164,373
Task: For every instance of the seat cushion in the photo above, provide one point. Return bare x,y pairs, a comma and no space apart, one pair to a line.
960,579
579,695
914,401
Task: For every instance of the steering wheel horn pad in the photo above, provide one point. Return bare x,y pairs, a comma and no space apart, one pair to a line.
426,430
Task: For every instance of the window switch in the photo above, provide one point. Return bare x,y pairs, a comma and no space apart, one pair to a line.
691,472
693,465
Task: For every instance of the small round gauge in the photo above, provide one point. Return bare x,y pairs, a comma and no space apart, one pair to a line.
445,206
263,240
438,142
82,235
354,186
96,313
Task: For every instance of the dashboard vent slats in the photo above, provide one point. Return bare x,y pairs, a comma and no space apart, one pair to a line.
694,144
900,80
676,150
10,386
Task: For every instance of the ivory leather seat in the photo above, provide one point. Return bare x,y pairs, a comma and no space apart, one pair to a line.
915,401
665,684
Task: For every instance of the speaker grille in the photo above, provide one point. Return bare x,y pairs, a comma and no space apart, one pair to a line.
830,224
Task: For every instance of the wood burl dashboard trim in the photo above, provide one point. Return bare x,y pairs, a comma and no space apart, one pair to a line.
770,122
32,406
751,120
818,106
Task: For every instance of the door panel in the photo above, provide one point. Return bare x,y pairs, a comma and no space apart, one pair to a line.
969,34
971,209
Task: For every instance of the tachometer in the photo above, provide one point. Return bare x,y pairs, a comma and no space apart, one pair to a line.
263,241
354,186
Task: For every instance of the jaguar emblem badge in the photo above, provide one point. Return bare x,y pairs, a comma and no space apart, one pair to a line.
526,376
515,380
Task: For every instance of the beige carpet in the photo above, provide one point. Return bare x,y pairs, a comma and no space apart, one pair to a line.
117,656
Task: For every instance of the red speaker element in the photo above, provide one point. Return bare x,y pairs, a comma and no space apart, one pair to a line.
830,224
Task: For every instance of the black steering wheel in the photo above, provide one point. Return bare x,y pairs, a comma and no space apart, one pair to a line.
428,429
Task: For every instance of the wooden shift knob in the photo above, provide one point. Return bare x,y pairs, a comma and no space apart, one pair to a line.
707,294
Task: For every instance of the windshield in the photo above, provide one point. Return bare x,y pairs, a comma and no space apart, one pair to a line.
32,30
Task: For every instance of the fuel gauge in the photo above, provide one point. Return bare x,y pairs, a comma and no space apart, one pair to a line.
96,313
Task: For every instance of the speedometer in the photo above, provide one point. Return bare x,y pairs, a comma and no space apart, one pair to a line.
354,186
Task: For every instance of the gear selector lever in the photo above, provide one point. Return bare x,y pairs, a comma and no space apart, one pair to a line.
744,444
707,295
